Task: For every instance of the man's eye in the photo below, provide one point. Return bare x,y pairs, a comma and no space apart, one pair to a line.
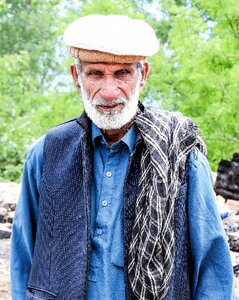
95,74
122,73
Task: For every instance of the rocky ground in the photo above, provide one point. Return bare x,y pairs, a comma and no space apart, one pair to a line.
8,197
4,269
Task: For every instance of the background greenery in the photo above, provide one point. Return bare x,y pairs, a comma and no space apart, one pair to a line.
196,70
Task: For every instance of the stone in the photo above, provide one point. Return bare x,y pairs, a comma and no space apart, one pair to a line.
231,227
5,232
8,225
5,291
12,206
227,181
9,217
234,206
233,240
9,192
3,212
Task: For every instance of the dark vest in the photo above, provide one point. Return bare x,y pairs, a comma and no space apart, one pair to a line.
62,247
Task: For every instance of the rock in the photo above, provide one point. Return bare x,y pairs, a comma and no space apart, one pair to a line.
12,206
234,206
235,261
234,240
231,207
9,192
227,181
5,288
9,218
231,227
5,293
8,225
5,232
3,212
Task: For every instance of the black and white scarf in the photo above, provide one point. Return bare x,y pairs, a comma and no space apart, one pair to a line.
168,138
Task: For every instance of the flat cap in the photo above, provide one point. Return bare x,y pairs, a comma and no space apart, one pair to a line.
110,38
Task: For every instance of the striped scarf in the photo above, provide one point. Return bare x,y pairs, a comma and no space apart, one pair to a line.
168,138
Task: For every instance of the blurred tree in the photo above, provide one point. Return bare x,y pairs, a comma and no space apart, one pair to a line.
26,114
28,64
29,26
197,69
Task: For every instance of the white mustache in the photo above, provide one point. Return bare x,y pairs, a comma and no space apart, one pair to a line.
101,101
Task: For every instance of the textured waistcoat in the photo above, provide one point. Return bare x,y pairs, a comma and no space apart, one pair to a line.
62,247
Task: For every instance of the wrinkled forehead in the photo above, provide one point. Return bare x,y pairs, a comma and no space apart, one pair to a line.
107,67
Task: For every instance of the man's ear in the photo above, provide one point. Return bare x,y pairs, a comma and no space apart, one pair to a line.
74,75
144,74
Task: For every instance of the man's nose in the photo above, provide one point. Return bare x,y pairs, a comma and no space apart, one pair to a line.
109,89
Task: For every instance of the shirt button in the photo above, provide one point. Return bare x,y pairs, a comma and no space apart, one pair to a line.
104,203
108,174
99,231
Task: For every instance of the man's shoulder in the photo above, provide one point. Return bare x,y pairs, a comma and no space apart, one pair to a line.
170,116
35,151
64,128
60,131
171,123
198,161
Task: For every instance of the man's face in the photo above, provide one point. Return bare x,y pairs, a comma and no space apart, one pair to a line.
110,92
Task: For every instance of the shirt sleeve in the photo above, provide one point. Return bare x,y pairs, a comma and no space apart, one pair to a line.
213,272
25,221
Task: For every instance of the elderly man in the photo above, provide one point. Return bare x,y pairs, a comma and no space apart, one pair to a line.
118,203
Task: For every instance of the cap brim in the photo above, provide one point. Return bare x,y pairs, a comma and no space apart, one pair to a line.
98,56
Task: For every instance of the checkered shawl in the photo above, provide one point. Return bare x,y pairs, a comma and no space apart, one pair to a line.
168,138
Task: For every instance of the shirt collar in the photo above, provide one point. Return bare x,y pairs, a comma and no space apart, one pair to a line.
129,138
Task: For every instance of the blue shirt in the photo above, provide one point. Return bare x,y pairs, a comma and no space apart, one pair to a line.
106,275
212,275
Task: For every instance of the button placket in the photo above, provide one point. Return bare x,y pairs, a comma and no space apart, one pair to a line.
107,184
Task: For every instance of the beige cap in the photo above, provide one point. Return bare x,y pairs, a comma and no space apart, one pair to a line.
110,38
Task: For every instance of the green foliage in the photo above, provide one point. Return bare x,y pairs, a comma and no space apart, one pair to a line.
29,26
28,63
15,82
196,70
22,130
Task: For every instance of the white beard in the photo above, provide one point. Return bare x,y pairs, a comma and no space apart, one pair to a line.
111,119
